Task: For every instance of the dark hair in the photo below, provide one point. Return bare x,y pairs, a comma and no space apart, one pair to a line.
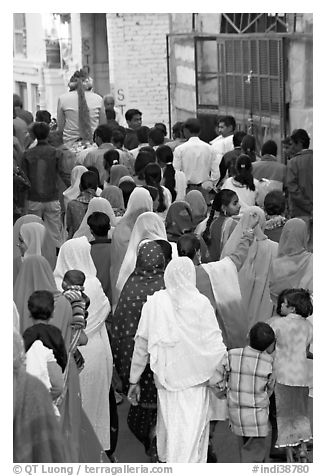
104,132
43,116
143,158
110,114
142,134
152,191
177,129
222,197
88,180
41,305
156,136
162,127
248,146
99,223
228,121
280,301
261,336
150,150
269,147
237,138
193,125
131,113
94,169
300,136
17,102
111,157
40,130
74,277
166,249
274,202
187,245
153,176
127,187
118,137
300,299
243,172
164,155
286,141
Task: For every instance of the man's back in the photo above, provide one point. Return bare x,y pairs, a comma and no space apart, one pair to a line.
268,167
300,183
195,159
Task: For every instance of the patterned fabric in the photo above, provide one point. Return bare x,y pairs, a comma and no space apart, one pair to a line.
249,381
293,335
79,303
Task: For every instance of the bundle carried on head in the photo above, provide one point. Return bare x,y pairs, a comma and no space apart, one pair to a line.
80,81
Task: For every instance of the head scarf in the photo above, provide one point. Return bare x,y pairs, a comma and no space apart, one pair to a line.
143,282
114,195
254,274
73,191
126,178
179,220
76,254
198,206
117,172
33,235
293,267
148,226
48,246
36,275
97,204
184,340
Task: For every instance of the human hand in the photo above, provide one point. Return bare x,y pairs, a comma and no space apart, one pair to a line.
134,394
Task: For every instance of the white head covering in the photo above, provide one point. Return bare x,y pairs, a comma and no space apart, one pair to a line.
33,236
73,191
184,340
148,226
76,254
97,204
16,320
140,198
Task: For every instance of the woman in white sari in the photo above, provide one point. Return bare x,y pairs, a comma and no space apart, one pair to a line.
179,332
97,204
72,192
95,378
254,274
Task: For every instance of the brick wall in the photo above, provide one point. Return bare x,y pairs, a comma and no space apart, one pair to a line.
137,60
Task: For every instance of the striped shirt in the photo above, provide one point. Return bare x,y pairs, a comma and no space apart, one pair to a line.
248,389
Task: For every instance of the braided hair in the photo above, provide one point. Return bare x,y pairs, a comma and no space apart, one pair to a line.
153,176
223,197
81,81
243,172
165,157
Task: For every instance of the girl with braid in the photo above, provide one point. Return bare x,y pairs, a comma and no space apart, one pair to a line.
219,228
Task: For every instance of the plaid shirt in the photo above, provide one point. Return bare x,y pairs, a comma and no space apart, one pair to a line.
248,389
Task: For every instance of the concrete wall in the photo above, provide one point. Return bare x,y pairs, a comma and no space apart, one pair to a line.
137,61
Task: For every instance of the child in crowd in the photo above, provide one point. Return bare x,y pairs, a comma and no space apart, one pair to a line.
46,356
249,385
219,228
293,334
73,287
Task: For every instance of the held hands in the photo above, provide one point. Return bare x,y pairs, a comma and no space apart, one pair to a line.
254,227
134,394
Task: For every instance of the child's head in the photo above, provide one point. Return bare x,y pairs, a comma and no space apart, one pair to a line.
41,305
297,301
262,337
73,277
99,224
40,130
111,157
226,202
280,301
274,203
88,180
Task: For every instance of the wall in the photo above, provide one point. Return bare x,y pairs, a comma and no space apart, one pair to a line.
137,62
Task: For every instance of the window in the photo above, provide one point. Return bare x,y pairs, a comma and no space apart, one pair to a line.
19,34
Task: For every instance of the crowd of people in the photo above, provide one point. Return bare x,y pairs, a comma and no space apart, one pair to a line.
171,273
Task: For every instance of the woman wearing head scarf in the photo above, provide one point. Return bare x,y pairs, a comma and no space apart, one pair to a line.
72,192
139,202
198,206
179,221
80,110
97,204
254,275
95,379
148,226
81,441
143,282
117,172
179,333
293,266
48,246
114,195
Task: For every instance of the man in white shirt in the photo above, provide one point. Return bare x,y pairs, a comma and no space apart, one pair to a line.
223,143
197,160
